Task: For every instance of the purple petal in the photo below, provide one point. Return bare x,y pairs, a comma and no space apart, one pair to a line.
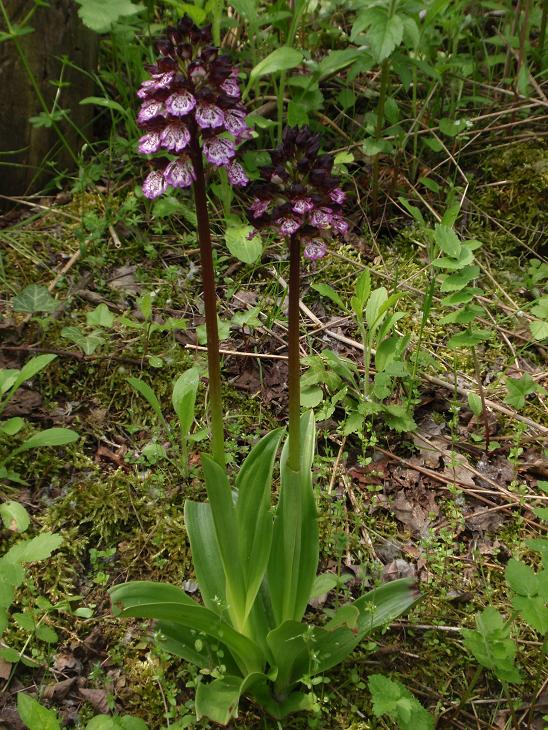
258,207
237,174
209,115
231,88
180,173
175,137
149,143
180,104
150,109
219,151
288,226
302,205
235,122
340,225
147,87
322,217
337,196
163,81
154,184
315,249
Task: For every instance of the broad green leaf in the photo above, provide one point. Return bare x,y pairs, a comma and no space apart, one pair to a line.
218,700
539,329
100,15
521,578
384,604
34,298
239,243
104,102
327,291
254,485
290,652
184,398
311,396
461,297
469,338
149,395
384,33
294,554
39,548
362,290
465,258
49,437
282,59
452,127
28,371
14,516
101,316
206,556
534,611
165,602
334,61
226,529
170,205
34,716
377,298
323,583
11,426
447,240
475,404
460,279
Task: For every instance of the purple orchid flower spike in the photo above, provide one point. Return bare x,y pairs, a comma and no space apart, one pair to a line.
299,196
190,104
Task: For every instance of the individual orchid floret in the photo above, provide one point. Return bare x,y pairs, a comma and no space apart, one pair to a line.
191,104
314,249
154,184
237,175
305,196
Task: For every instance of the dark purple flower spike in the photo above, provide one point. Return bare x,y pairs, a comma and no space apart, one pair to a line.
190,104
299,196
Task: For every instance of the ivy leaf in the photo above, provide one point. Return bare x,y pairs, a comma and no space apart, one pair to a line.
34,298
101,316
518,389
100,15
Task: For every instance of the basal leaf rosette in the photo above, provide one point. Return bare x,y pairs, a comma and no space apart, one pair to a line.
191,104
298,195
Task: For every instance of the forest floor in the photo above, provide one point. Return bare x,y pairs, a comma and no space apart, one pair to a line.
434,503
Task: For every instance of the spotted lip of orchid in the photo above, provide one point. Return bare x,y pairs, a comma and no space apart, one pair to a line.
306,196
191,101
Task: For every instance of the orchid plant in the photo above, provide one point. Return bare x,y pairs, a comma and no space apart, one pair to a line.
256,565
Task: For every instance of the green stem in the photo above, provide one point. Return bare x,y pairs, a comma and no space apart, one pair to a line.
293,378
210,306
385,73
